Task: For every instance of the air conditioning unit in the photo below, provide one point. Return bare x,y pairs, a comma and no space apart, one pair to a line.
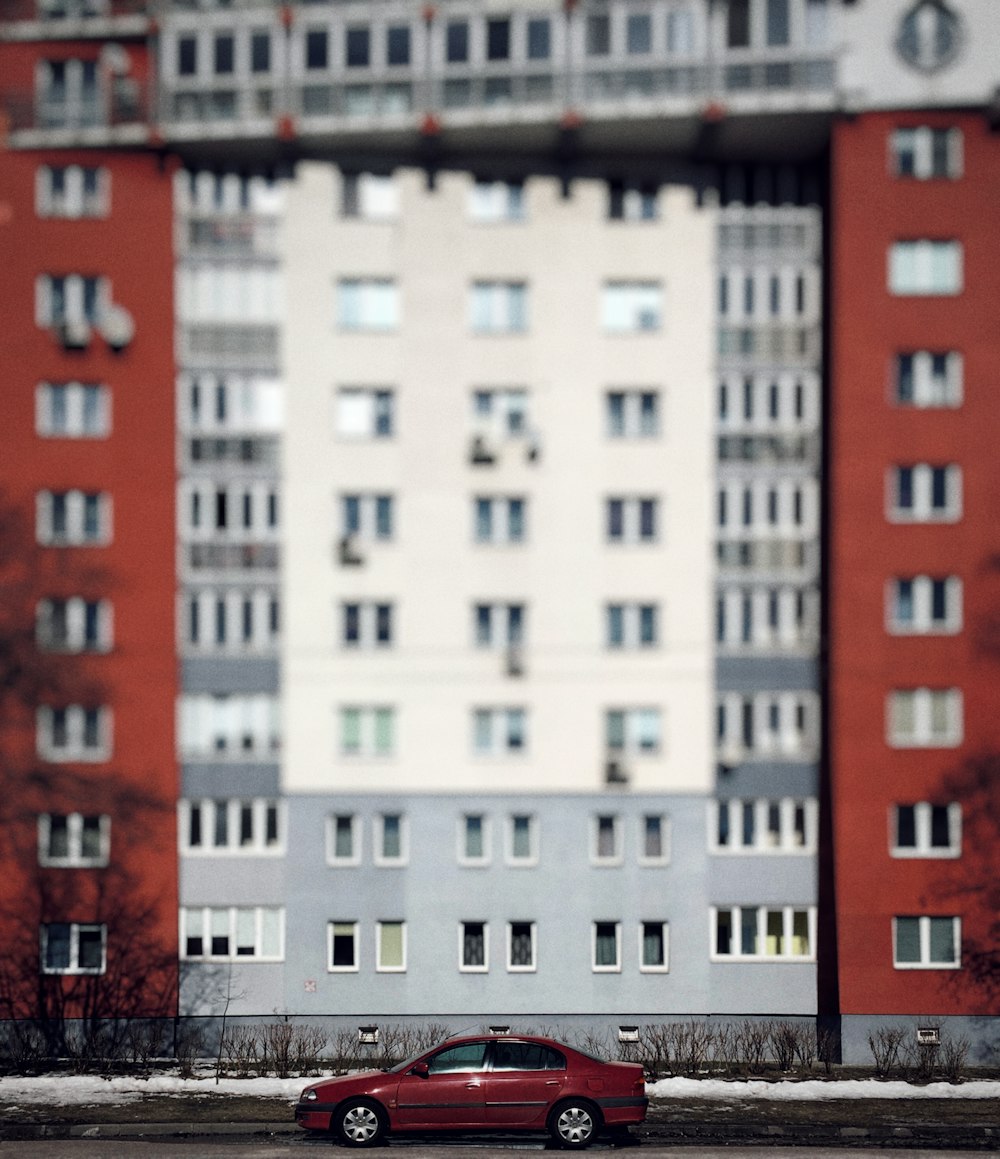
118,327
615,772
533,449
348,553
515,661
481,452
73,334
368,1035
648,320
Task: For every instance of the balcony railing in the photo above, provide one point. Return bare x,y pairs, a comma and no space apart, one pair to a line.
123,103
56,12
229,236
250,347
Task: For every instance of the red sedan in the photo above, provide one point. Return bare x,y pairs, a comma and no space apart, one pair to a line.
486,1083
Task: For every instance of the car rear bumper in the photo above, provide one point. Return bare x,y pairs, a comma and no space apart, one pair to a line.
621,1111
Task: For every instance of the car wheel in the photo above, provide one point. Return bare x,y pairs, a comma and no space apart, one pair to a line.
359,1123
574,1123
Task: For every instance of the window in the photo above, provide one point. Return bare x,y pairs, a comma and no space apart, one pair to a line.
73,625
72,191
317,49
497,39
607,843
777,23
628,307
738,24
187,56
631,625
457,41
924,605
636,731
766,617
499,520
343,839
520,946
74,839
499,731
62,300
260,51
924,718
926,943
498,625
638,33
653,947
763,825
925,267
73,948
390,947
925,493
233,933
924,378
474,839
926,830
473,947
73,732
73,518
767,726
606,947
496,201
391,839
72,410
680,31
247,826
223,54
366,624
632,414
630,202
598,34
763,933
228,619
500,412
522,839
539,38
465,1057
342,947
225,726
364,412
367,732
370,304
631,519
369,196
368,517
498,307
397,44
654,839
357,48
924,152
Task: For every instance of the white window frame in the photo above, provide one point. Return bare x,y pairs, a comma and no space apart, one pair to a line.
75,856
489,202
922,847
922,735
632,306
922,509
462,966
199,610
74,200
501,412
665,829
511,857
355,967
208,809
639,722
380,966
367,718
924,934
923,623
613,967
631,615
499,307
379,856
632,532
368,529
74,396
367,305
499,731
617,855
917,142
74,300
229,726
75,749
362,413
765,840
75,929
636,423
502,529
532,967
76,532
357,831
499,620
368,613
371,197
203,917
930,390
655,968
925,267
789,742
788,919
486,832
74,615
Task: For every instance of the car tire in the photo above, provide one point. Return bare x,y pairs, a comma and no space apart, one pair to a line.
574,1123
359,1123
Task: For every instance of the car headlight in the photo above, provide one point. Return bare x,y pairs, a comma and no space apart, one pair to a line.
309,1096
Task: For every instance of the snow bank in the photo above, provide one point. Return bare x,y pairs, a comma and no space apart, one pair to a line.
682,1088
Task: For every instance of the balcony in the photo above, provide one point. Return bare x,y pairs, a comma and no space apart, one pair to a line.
244,236
73,19
113,114
230,346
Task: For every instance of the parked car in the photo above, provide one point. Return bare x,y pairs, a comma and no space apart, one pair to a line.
483,1083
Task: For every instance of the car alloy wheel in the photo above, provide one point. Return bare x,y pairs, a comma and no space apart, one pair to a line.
574,1124
360,1124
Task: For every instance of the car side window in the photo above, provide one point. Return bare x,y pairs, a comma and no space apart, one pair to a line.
526,1056
465,1056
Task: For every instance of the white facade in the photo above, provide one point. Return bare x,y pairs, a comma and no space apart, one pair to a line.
437,295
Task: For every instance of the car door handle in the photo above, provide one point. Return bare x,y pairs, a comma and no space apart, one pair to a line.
471,1086
553,1083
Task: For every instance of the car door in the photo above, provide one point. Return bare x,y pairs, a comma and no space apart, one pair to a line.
524,1080
450,1094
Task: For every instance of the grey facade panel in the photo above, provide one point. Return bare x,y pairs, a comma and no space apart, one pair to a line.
765,879
769,779
221,674
237,779
753,673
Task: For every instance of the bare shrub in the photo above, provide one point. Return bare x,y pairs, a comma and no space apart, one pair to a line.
307,1045
827,1047
954,1058
189,1046
143,1041
783,1038
887,1045
240,1050
276,1053
655,1042
923,1059
22,1047
692,1043
752,1040
595,1043
344,1051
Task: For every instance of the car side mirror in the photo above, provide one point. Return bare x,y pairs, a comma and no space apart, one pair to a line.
420,1069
